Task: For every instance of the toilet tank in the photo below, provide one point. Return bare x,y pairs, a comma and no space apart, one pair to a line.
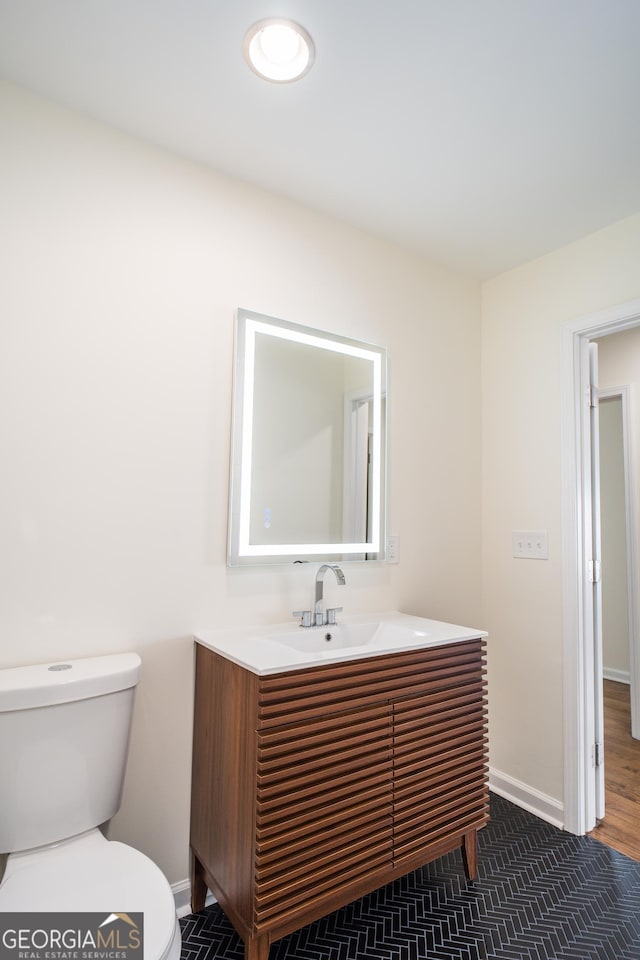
64,738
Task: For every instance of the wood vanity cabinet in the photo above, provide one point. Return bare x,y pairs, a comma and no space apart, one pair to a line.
315,786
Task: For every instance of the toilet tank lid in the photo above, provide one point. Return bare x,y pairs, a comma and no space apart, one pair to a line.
44,684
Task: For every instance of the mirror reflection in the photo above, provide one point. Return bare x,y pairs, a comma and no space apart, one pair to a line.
308,444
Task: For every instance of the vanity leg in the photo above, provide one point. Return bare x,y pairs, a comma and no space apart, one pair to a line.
257,948
470,854
198,885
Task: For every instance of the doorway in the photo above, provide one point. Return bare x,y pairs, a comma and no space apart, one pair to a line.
581,673
621,784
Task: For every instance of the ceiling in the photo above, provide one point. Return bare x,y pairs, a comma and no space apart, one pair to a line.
480,133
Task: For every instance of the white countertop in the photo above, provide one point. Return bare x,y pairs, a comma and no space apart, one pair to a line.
280,647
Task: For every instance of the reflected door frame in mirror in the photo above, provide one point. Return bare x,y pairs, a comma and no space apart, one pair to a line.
308,446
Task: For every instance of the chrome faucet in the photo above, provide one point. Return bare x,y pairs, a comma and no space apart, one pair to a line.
319,599
317,616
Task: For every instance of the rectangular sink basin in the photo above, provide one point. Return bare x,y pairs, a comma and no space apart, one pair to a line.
348,636
283,647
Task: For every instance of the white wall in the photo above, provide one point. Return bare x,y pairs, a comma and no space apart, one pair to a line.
122,268
523,312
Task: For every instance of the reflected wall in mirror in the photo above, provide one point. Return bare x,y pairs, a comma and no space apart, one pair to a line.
308,445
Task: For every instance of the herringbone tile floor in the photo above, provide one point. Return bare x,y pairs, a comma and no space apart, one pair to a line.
541,894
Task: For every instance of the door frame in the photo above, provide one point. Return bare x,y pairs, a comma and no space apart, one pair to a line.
578,653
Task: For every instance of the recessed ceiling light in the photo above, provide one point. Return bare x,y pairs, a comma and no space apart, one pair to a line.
279,50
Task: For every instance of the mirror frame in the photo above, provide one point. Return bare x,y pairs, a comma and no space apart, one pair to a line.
240,551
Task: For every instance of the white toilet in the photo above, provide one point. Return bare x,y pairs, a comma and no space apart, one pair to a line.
64,736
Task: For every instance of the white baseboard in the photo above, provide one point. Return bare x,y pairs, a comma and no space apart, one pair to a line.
540,804
620,676
182,896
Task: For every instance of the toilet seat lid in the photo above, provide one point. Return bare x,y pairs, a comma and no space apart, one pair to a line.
94,875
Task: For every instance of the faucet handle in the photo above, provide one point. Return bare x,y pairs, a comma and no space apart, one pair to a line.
331,614
305,617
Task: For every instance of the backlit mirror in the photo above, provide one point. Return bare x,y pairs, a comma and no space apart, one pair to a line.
308,445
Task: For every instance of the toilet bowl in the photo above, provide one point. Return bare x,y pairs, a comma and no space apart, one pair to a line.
64,734
95,875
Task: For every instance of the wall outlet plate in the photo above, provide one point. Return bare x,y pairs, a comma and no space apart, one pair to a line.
392,549
530,544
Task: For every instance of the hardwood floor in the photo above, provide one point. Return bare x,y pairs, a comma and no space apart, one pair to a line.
620,828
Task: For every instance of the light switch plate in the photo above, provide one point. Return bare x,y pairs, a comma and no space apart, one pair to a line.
530,544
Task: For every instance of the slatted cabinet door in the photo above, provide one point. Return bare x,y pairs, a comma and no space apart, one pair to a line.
324,811
440,743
